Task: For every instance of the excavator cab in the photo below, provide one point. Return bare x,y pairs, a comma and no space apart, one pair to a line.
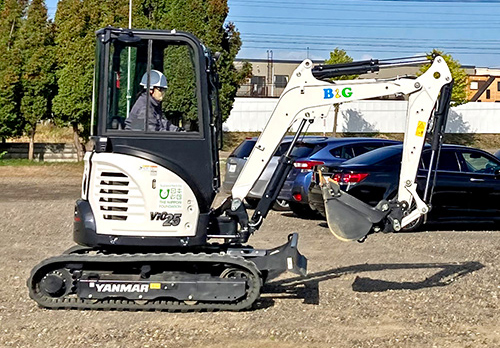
155,167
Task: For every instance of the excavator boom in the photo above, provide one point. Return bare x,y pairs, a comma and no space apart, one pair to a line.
307,97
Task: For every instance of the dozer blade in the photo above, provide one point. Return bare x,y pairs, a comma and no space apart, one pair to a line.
348,218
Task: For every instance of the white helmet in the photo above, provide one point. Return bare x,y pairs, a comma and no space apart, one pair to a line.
157,79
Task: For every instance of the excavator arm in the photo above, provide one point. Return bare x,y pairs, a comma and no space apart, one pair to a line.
307,97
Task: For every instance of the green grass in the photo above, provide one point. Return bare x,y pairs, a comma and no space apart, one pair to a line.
26,162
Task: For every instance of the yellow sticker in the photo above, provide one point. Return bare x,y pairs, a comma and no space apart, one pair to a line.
421,129
155,285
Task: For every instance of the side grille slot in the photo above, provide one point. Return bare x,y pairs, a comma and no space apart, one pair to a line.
114,217
114,208
114,192
114,174
113,200
113,197
114,183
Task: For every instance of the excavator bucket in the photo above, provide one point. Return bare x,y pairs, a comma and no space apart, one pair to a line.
348,218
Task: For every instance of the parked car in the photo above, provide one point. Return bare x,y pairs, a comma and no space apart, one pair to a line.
309,151
237,159
467,182
332,151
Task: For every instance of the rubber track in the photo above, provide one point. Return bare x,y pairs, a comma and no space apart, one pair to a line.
59,262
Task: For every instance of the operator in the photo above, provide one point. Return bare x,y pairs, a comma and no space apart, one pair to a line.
156,121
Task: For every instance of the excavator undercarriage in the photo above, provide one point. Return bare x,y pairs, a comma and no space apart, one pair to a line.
215,278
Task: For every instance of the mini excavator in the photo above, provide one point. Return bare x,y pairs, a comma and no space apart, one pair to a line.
147,235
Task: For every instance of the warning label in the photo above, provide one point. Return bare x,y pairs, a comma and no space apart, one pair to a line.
421,129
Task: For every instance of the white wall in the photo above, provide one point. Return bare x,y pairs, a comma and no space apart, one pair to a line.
252,114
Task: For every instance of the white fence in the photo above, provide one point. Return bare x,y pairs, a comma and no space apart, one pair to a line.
252,114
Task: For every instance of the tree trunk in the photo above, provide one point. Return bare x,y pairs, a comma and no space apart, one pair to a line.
31,149
337,107
76,140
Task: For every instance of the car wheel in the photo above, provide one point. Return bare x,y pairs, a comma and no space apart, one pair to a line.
252,202
304,211
281,205
414,226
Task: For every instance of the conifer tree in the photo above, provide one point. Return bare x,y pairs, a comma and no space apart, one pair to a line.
10,69
74,39
76,22
37,77
205,20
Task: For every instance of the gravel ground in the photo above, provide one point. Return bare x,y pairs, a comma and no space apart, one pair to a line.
437,288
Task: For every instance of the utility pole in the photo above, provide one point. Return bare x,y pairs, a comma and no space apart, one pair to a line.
270,72
129,63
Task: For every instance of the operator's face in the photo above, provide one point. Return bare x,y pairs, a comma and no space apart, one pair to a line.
158,93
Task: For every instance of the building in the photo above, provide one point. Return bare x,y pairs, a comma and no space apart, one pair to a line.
484,85
269,78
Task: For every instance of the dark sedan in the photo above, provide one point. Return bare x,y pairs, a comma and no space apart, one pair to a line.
467,182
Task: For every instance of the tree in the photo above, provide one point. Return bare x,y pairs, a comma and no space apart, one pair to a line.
231,78
37,77
10,69
339,56
459,92
204,19
76,22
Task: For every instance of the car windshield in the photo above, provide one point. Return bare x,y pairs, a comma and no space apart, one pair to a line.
376,156
244,149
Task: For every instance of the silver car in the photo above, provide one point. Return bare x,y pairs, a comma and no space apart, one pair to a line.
237,159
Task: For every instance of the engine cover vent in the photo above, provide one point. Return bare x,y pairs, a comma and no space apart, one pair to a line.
113,195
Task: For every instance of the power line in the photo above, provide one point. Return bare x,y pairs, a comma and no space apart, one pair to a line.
443,1
406,51
370,26
496,49
274,19
370,10
281,36
381,25
364,3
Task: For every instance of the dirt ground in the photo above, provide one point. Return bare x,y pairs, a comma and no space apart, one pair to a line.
437,288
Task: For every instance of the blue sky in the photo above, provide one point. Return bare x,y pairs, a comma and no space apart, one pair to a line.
297,29
469,30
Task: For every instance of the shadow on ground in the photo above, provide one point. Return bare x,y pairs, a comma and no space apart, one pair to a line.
450,226
307,288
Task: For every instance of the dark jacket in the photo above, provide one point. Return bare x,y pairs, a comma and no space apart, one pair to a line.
156,122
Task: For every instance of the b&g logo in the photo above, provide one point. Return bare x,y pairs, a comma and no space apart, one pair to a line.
337,93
